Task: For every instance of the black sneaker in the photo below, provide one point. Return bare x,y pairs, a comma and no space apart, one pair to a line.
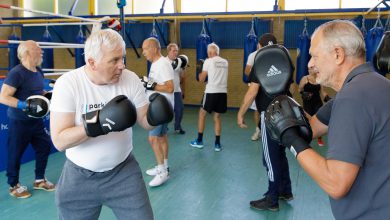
181,131
286,197
264,204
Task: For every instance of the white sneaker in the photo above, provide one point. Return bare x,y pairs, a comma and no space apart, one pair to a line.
256,135
152,171
159,179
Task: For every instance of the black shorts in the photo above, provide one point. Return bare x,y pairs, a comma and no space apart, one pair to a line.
215,102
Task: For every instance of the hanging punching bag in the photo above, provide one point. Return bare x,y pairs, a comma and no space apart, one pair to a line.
48,61
381,59
303,56
373,38
250,45
201,47
79,52
13,52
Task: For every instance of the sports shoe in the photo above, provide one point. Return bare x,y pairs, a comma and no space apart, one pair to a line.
153,171
160,178
256,135
197,144
217,147
264,204
19,192
286,197
45,185
320,142
181,131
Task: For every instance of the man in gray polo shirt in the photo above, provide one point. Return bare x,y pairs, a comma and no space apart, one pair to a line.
356,170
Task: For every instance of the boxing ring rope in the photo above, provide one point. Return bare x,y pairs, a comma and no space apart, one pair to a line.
54,74
59,24
45,44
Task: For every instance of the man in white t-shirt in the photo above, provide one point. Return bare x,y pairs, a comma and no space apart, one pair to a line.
87,105
179,86
215,95
256,116
161,74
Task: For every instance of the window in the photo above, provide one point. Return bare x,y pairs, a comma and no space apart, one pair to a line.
250,5
359,4
82,7
152,6
41,5
109,7
192,6
312,4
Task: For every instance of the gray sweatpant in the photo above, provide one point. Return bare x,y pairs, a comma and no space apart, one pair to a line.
80,193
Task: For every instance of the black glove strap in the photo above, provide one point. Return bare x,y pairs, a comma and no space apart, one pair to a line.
294,142
91,124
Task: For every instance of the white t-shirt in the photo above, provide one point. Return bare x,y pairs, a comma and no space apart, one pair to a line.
74,92
160,72
251,58
217,73
176,77
250,62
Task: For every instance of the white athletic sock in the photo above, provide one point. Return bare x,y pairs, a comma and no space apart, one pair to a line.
160,168
166,163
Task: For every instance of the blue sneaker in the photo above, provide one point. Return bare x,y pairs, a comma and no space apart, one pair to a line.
217,147
197,144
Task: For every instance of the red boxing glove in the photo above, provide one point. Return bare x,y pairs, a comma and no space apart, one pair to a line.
114,24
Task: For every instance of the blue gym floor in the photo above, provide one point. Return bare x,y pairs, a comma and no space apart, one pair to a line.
203,184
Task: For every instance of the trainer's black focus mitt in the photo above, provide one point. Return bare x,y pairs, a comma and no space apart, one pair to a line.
286,122
274,69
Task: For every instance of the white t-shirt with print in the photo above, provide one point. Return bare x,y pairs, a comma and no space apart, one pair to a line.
74,92
217,73
160,72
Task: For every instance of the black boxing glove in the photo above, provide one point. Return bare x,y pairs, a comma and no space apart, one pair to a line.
148,83
160,111
117,115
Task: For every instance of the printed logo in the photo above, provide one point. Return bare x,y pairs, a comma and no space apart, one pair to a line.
107,124
273,71
3,126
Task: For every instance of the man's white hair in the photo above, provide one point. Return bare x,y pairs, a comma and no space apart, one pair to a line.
23,49
107,38
344,34
214,47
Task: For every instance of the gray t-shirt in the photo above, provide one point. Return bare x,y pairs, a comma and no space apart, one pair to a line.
359,133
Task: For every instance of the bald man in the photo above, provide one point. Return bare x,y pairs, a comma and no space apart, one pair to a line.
23,81
161,73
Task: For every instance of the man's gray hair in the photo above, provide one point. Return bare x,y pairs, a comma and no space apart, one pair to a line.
107,38
344,34
172,45
214,47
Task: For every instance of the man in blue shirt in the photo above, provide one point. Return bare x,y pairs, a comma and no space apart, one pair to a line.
23,81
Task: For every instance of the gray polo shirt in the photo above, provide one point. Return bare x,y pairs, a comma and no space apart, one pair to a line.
359,133
323,114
